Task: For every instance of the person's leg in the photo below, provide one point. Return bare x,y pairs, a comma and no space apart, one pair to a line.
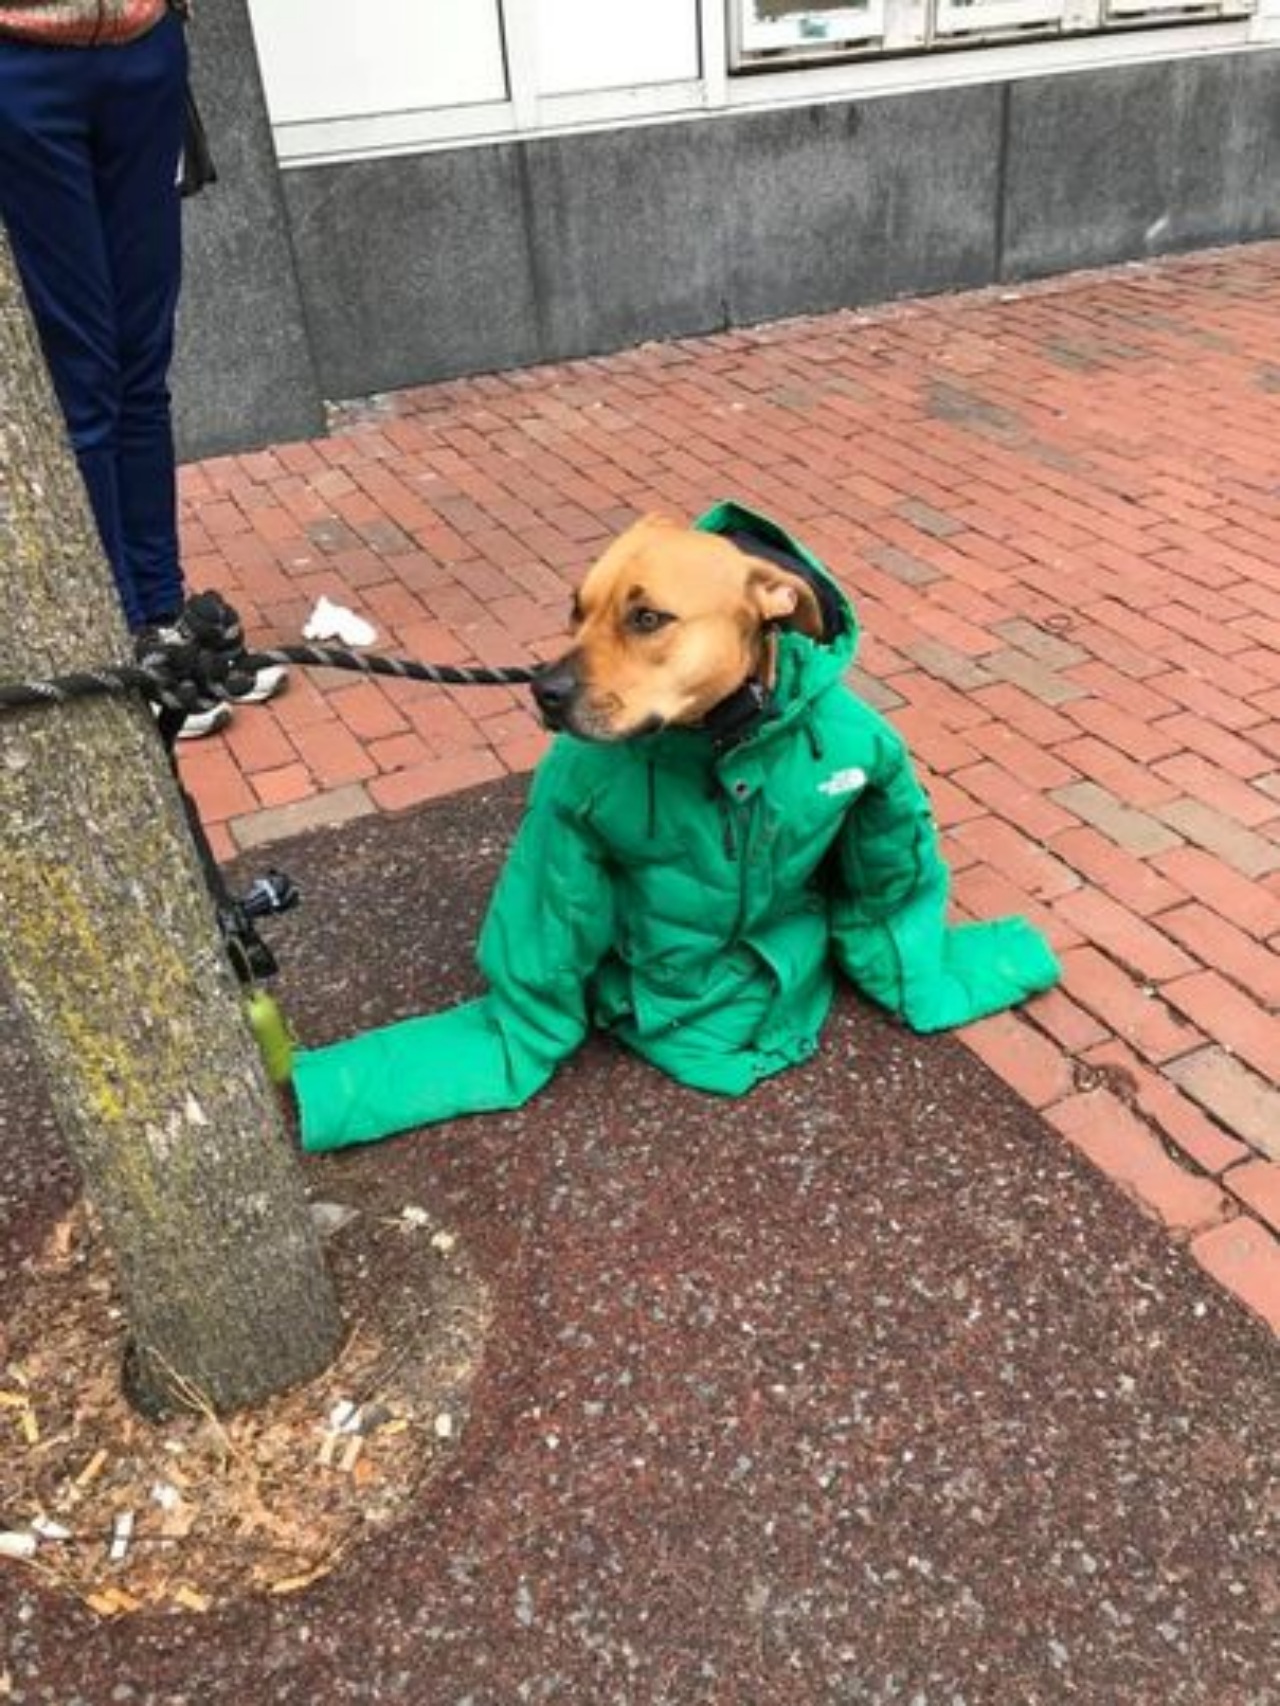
137,141
48,202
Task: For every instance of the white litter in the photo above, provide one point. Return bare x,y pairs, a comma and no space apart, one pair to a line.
344,1418
329,621
16,1545
331,1217
48,1529
121,1535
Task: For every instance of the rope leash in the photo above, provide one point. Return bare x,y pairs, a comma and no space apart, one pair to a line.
201,660
191,665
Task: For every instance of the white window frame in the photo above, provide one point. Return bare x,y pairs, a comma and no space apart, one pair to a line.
898,67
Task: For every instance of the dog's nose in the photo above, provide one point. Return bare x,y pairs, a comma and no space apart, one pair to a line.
553,689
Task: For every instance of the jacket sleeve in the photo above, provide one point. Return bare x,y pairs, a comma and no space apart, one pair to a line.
889,908
549,924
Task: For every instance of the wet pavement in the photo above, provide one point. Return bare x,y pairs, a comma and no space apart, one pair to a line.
866,1389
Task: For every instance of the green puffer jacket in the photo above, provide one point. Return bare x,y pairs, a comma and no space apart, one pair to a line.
695,903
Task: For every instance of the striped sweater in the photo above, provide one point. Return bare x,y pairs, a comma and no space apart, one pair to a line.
79,23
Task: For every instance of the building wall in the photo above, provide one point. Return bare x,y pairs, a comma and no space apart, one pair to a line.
339,279
244,372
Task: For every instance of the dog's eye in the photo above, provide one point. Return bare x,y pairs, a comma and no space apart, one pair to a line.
642,620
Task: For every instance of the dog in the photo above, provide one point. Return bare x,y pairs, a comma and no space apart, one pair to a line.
719,827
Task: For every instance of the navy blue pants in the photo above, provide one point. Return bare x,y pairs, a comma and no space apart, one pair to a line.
89,145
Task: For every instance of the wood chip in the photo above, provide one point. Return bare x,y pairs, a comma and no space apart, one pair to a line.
92,1469
190,1600
63,1237
112,1602
295,1584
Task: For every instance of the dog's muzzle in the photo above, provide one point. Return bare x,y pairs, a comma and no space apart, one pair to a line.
554,689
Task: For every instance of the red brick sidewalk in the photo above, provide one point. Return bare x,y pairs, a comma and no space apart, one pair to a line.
1059,512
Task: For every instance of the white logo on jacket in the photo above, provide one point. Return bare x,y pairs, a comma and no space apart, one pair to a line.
843,782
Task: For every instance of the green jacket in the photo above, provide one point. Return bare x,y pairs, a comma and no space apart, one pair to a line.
695,903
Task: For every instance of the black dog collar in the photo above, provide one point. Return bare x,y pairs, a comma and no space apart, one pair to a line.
731,721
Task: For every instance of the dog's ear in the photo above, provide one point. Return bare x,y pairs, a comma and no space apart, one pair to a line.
656,518
786,599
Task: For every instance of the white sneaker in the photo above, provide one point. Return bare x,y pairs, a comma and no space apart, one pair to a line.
197,724
266,684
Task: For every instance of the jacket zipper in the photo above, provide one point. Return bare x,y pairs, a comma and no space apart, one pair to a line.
728,835
736,829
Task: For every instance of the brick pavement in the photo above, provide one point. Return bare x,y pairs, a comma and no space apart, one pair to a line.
1058,510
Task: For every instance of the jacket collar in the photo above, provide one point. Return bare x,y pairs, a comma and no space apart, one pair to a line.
736,718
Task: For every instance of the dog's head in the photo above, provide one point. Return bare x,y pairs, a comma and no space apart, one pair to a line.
669,622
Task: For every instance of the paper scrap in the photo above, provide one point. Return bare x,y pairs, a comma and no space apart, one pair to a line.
330,621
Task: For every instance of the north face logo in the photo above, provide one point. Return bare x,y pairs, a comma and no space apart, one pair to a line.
843,782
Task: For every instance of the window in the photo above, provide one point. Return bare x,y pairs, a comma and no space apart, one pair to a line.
459,68
439,73
316,65
767,33
611,44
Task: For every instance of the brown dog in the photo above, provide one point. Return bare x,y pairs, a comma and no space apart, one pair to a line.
735,828
667,624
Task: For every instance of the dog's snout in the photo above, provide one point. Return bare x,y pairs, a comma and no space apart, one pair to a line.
553,689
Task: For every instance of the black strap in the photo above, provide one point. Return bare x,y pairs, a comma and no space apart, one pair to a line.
731,721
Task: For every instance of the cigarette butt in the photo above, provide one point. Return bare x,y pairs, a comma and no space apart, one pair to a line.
190,1600
48,1529
30,1427
351,1455
343,1417
121,1535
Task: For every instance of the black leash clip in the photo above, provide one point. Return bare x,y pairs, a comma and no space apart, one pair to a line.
267,897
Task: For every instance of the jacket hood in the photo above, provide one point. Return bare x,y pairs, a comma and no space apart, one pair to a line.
805,667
